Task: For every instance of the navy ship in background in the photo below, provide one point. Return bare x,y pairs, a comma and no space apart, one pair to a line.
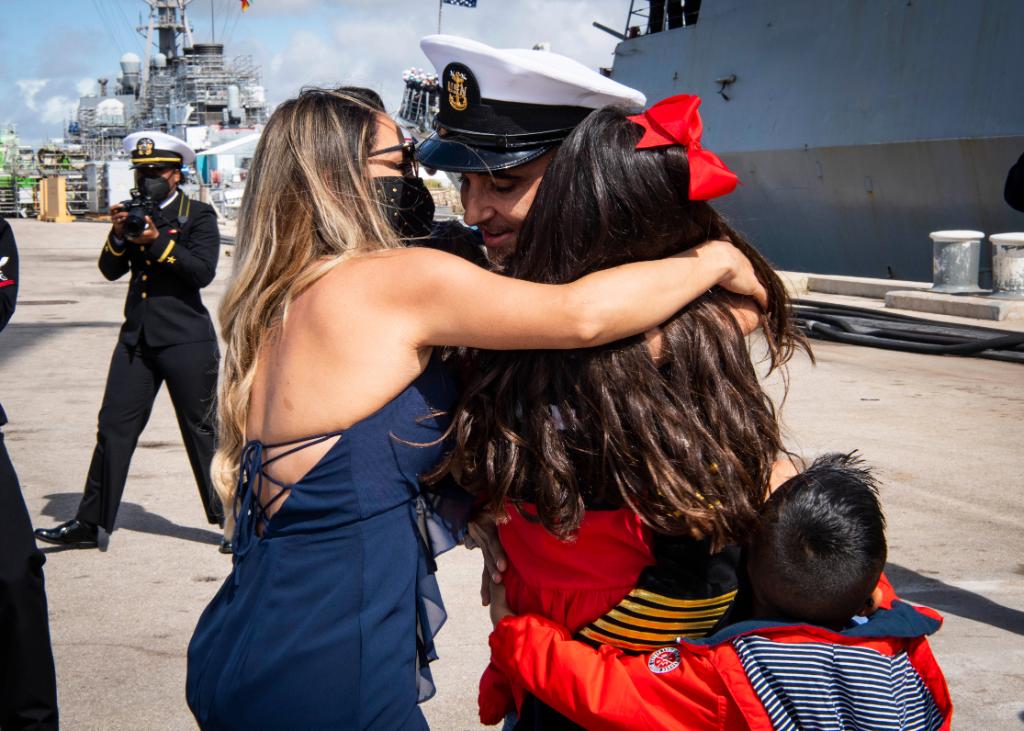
856,126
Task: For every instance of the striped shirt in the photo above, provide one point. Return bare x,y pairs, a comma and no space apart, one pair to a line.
826,687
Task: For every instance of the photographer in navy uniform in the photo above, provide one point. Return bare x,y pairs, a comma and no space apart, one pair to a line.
28,689
169,245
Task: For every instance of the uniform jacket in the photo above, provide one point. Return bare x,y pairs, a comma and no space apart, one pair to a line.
8,282
757,675
166,275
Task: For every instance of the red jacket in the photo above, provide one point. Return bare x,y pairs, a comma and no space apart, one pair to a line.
740,678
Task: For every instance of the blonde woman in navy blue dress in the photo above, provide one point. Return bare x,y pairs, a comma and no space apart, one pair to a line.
334,400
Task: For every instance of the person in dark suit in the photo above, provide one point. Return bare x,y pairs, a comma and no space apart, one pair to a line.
167,336
1014,190
28,688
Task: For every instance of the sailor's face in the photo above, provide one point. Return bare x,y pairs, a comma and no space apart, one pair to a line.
497,203
170,174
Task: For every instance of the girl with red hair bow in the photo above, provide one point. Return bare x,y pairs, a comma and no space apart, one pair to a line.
603,462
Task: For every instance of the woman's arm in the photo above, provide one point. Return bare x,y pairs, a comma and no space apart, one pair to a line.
447,301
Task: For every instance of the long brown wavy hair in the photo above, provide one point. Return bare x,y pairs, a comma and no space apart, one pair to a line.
686,441
309,204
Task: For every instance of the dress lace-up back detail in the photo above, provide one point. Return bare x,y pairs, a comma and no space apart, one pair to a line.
328,617
251,514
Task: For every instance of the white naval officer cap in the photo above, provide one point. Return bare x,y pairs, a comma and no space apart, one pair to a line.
502,107
150,148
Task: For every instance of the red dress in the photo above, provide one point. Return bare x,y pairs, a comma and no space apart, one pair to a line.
572,582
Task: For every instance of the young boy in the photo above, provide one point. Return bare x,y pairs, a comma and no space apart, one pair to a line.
828,645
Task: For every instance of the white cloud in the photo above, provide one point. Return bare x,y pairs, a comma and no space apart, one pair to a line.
304,42
30,88
58,109
86,86
367,48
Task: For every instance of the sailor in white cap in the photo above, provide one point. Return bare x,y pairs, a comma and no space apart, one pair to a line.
169,245
502,114
501,111
157,149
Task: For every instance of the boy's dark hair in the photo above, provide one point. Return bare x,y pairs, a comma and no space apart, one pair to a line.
820,546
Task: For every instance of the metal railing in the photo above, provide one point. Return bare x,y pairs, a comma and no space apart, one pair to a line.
671,14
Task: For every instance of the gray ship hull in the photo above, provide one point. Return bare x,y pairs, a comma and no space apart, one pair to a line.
856,127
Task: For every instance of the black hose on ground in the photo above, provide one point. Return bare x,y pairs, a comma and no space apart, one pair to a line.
890,331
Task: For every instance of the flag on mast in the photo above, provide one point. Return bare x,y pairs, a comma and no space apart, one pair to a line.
461,3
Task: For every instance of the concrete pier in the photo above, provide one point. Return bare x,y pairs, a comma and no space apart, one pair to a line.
945,433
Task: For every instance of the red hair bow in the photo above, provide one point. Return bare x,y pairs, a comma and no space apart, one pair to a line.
675,121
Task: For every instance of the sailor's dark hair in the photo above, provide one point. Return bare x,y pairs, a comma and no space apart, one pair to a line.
820,545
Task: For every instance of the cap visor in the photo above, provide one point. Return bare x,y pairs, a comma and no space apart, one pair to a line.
458,157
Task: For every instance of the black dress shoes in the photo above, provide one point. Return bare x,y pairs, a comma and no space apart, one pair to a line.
225,546
73,534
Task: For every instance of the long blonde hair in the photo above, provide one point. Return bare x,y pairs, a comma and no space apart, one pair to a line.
308,205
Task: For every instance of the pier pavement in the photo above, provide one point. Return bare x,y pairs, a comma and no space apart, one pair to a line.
947,435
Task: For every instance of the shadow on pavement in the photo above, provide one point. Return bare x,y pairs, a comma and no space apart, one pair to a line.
953,600
61,506
18,336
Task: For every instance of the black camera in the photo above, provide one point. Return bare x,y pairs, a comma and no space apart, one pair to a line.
137,207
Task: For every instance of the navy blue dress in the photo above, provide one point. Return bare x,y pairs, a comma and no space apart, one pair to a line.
327,619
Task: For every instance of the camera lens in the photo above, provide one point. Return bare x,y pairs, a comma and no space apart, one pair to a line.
134,225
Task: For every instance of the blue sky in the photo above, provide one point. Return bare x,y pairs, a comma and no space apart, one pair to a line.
54,50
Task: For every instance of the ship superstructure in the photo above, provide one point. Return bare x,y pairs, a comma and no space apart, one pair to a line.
182,87
187,88
18,175
856,128
419,101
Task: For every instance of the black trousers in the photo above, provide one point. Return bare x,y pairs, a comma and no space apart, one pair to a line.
135,376
28,688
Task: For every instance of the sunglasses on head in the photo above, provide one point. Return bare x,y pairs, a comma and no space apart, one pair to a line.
409,166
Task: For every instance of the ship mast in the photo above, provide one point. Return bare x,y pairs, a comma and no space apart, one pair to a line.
163,17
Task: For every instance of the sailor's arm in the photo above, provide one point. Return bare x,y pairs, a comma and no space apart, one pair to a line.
602,688
113,262
8,273
193,258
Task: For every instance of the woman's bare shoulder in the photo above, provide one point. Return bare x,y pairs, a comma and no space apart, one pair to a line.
381,274
390,262
369,285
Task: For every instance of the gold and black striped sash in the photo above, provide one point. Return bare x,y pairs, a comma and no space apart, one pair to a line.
645,620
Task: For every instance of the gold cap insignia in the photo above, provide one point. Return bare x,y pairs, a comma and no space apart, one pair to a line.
461,87
144,147
457,91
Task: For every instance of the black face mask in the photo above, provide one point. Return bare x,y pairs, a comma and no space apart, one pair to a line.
156,188
407,204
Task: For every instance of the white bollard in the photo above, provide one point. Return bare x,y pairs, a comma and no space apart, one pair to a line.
955,257
1008,265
